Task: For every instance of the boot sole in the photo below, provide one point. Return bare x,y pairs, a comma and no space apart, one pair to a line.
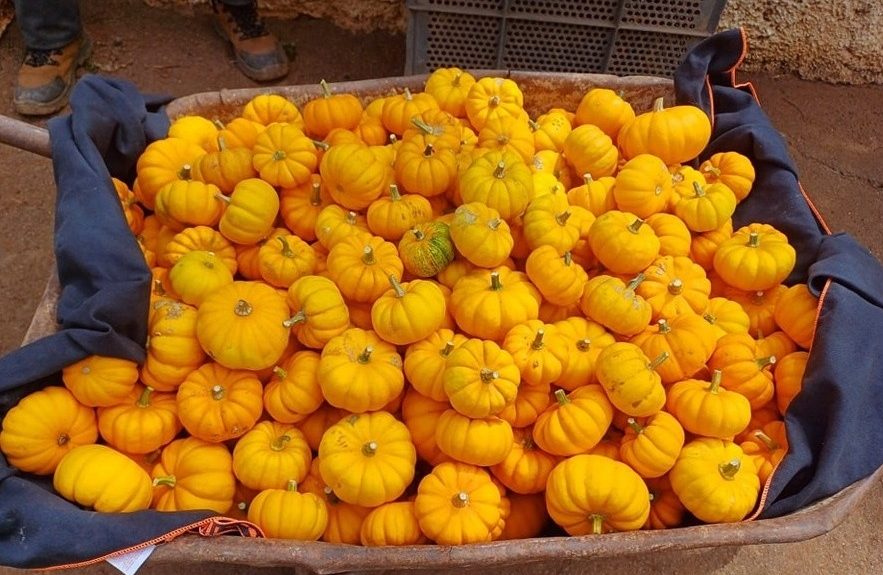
257,74
28,108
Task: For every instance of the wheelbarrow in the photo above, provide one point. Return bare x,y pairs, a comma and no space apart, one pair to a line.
548,554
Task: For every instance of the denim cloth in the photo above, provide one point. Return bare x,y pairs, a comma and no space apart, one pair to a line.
833,426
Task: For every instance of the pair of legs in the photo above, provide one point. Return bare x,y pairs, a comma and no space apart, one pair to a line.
56,46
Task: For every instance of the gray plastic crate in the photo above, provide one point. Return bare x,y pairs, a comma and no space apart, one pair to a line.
623,37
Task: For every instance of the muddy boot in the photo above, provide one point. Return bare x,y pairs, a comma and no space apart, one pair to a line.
259,55
46,76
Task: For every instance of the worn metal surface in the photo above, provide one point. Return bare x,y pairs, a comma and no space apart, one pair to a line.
24,136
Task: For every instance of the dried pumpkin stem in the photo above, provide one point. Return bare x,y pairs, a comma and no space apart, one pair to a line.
418,234
697,189
447,349
396,286
368,256
709,317
489,375
393,139
222,144
299,317
561,397
500,171
280,442
165,481
408,95
584,344
676,286
636,281
664,327
370,449
184,172
280,372
351,218
324,146
635,225
286,248
714,171
753,240
365,356
219,124
460,500
144,398
316,194
326,91
658,104
527,443
597,523
762,362
729,469
62,439
279,155
716,377
636,427
496,284
223,198
217,392
657,361
537,342
421,125
291,485
534,126
494,223
242,308
587,179
494,101
428,151
767,441
562,218
394,193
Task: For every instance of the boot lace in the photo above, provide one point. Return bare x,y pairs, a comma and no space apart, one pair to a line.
248,23
38,58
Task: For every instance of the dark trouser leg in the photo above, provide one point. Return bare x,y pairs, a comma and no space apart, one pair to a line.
48,25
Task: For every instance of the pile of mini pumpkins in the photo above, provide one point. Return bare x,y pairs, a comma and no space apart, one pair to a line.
430,317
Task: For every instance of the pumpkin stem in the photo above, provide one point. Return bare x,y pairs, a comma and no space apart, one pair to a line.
326,91
767,441
460,500
368,256
219,124
716,377
561,397
63,439
494,101
587,178
636,281
217,392
757,297
456,80
408,95
753,240
447,349
279,444
418,234
280,372
729,469
396,286
291,485
223,198
489,375
538,339
697,189
527,443
394,193
496,284
584,344
664,326
351,218
316,194
494,223
636,427
286,249
369,449
165,481
297,318
428,151
222,144
568,258
765,361
562,217
676,286
331,496
184,172
597,524
393,139
500,170
713,170
534,126
658,361
242,308
365,356
709,317
279,155
144,398
421,125
86,370
657,104
324,146
635,225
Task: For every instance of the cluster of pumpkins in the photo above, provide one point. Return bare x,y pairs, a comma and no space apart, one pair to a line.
431,317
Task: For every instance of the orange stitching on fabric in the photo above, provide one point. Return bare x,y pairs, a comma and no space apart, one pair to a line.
821,221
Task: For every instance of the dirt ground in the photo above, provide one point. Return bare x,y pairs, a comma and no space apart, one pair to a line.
835,134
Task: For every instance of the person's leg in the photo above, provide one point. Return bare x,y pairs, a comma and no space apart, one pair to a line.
55,46
259,55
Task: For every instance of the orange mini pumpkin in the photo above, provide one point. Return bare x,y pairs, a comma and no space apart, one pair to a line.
216,404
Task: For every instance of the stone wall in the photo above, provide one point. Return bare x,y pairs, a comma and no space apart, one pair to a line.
839,41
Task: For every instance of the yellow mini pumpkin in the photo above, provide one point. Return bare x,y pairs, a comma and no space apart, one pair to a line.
731,169
484,442
102,479
392,524
361,266
795,313
194,474
100,381
575,423
652,446
198,274
480,235
538,350
643,186
629,377
622,243
589,150
501,180
141,423
251,211
757,257
216,404
287,514
615,305
320,312
705,408
585,340
294,392
270,455
487,304
688,341
675,135
352,176
560,280
480,378
409,312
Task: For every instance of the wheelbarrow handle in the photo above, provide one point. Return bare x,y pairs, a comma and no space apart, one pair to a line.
25,136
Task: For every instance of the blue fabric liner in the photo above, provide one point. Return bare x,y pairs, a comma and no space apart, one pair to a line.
832,424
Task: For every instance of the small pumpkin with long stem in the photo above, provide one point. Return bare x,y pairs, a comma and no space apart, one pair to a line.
141,423
398,109
622,243
731,169
390,217
743,369
687,339
595,195
487,304
194,474
409,311
288,514
707,208
480,378
593,494
766,447
358,371
707,409
715,480
426,248
301,205
319,311
270,455
614,304
757,257
630,379
367,459
425,168
538,351
501,180
361,267
575,422
652,446
225,167
330,111
481,235
675,135
458,503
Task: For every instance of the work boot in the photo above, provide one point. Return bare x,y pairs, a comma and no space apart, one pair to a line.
258,53
46,76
